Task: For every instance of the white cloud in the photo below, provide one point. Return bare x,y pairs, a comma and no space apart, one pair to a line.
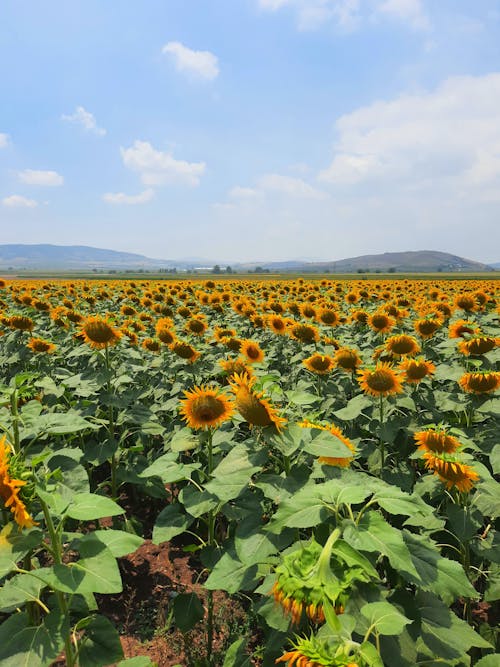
288,185
430,138
36,177
18,201
350,14
122,198
85,119
4,140
243,193
161,168
202,64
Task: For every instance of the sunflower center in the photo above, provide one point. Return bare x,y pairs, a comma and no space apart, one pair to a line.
380,380
207,408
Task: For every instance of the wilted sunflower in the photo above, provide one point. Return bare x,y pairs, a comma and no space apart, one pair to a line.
252,351
99,333
415,370
451,471
206,407
478,345
252,406
9,489
402,345
480,382
437,441
320,364
380,381
38,345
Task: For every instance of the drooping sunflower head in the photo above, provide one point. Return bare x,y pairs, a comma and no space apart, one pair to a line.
480,382
205,407
99,333
437,441
402,345
451,471
11,487
151,344
39,346
380,381
320,364
415,370
478,345
252,406
462,328
252,351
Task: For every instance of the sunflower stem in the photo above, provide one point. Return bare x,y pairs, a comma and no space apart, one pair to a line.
380,439
15,421
111,423
212,517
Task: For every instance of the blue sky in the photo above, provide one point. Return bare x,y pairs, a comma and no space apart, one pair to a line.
251,129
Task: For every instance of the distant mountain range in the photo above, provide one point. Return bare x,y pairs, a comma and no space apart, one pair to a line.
46,257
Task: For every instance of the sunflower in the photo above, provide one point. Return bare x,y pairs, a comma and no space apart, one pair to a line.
9,489
380,381
466,302
436,441
402,345
205,407
415,370
277,324
252,351
151,345
184,350
460,328
480,382
381,323
478,345
167,336
220,334
232,366
347,359
360,316
427,327
341,462
99,333
316,652
319,363
197,326
451,471
21,323
252,406
38,345
304,333
328,316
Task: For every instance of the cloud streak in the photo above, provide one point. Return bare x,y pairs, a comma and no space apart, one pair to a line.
202,64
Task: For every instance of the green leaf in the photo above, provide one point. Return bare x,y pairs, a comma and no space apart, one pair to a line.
440,575
495,457
231,575
443,633
137,661
188,611
171,521
87,506
373,533
385,617
464,525
395,501
23,645
100,645
184,440
18,590
492,660
354,408
15,544
168,469
197,502
236,655
327,444
233,473
487,498
119,542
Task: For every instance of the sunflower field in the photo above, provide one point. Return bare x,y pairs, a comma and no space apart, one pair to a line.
319,454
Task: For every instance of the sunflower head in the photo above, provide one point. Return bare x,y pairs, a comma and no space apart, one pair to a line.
38,345
427,326
478,345
402,345
347,359
252,351
206,407
184,351
304,333
381,322
462,328
151,344
380,381
10,488
99,333
320,364
21,323
451,471
480,382
437,441
252,406
415,370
